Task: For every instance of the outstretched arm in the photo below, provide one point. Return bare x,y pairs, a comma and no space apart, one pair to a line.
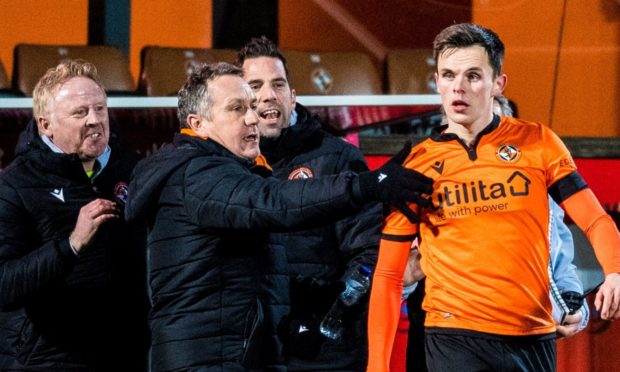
586,211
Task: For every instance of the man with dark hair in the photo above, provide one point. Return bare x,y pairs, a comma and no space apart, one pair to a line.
570,310
484,244
318,260
209,203
71,279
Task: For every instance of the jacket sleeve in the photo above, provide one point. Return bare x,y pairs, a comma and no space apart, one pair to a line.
562,251
223,194
26,266
358,235
564,273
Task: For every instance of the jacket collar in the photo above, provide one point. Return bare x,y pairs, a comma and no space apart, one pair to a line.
293,138
188,136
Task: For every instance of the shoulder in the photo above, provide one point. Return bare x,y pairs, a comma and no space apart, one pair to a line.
425,146
511,124
216,165
16,181
19,173
338,144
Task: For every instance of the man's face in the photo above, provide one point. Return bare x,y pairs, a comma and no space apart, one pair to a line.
276,99
466,84
76,119
233,121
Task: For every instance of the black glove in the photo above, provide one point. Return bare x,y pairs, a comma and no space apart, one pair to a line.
573,300
396,185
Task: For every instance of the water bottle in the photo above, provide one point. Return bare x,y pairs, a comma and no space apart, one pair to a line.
331,325
356,285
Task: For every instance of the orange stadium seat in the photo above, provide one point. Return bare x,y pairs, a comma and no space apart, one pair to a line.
31,61
164,69
333,73
411,71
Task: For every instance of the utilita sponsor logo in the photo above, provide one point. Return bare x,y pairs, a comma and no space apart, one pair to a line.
458,194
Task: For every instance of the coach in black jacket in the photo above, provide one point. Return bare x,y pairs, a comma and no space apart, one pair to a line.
319,259
70,294
210,205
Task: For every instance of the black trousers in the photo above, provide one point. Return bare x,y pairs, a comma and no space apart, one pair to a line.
464,352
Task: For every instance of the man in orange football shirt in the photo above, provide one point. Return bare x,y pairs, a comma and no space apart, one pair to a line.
484,244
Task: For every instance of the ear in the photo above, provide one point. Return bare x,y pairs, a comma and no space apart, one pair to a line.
44,127
499,85
293,97
193,121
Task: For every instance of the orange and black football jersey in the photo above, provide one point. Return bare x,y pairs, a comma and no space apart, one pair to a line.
484,246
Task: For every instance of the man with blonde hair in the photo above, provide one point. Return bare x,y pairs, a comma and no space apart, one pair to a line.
70,278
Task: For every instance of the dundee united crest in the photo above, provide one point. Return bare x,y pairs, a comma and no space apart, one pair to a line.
300,174
508,153
121,192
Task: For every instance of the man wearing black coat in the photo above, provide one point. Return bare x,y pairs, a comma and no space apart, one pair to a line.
210,204
71,293
320,259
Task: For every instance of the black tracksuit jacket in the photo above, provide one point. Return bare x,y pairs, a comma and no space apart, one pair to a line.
318,258
209,214
59,311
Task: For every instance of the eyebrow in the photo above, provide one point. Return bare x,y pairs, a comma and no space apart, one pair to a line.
234,101
255,81
262,81
472,69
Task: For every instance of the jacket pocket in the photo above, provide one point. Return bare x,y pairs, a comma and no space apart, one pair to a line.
253,334
24,344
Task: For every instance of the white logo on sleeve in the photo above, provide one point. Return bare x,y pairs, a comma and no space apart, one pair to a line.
58,194
381,177
302,329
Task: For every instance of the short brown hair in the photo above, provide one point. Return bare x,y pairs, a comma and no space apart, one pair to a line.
56,76
464,35
193,97
261,47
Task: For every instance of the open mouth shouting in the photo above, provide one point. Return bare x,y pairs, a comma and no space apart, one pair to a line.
94,136
270,115
251,138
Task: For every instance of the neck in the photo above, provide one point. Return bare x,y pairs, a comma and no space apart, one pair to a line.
88,165
469,131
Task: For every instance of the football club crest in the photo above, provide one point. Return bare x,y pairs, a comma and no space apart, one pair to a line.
300,174
322,80
508,153
121,192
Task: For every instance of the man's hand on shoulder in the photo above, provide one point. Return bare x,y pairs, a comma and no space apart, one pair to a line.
397,185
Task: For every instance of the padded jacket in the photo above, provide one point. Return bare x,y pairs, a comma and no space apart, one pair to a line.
209,214
319,258
59,311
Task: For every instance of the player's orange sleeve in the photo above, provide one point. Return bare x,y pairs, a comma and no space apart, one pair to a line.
586,211
385,301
